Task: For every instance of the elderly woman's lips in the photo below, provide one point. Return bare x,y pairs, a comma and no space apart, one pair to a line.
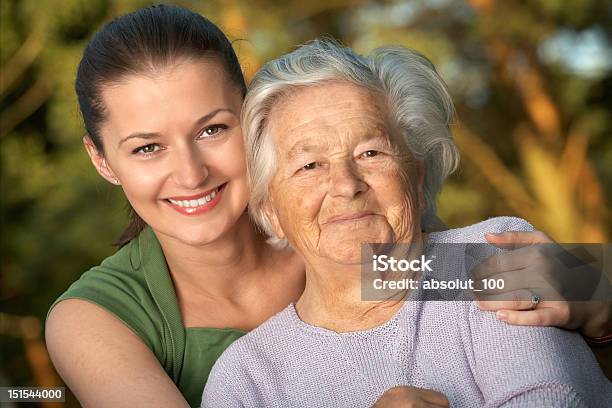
348,217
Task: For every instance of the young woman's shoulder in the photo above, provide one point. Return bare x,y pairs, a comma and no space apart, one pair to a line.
110,322
132,286
95,352
119,287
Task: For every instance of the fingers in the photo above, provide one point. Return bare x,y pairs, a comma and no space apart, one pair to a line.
542,316
527,249
520,313
494,305
433,397
521,299
516,239
511,281
407,396
522,267
502,262
521,285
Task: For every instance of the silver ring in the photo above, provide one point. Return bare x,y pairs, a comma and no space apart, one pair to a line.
535,300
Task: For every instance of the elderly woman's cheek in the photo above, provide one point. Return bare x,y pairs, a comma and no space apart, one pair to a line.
404,220
308,237
297,203
402,207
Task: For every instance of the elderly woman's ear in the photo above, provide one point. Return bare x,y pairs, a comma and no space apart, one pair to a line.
271,214
420,174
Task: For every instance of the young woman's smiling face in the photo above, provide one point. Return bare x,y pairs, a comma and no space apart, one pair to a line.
173,141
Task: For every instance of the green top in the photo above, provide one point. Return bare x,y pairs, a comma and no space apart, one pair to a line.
134,284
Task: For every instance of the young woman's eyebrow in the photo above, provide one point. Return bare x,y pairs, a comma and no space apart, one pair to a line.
209,116
152,135
139,135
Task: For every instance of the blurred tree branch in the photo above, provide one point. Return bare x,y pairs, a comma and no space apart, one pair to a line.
495,171
556,167
29,330
25,106
308,9
24,57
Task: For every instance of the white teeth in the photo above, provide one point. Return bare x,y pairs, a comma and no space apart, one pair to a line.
194,203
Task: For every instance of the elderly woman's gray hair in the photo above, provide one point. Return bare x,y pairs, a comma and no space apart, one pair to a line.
417,97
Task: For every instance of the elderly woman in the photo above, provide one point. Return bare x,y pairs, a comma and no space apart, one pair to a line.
345,150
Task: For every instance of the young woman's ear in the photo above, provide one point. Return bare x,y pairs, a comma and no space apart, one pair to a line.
99,162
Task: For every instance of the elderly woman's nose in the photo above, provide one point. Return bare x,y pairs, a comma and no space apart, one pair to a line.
346,181
190,170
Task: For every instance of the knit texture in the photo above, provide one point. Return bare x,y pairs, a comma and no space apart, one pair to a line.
449,346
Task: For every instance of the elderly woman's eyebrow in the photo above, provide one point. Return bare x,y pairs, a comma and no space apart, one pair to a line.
301,147
379,132
374,133
379,135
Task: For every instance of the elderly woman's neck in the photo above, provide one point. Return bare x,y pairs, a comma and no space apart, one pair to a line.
339,308
332,297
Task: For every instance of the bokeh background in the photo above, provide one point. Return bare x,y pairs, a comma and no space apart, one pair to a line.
531,79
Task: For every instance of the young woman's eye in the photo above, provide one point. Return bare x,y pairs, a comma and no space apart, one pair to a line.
146,149
212,131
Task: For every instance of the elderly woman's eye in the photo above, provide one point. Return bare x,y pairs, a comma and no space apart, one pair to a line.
370,153
310,166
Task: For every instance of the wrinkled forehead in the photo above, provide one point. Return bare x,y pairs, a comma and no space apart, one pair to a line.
330,113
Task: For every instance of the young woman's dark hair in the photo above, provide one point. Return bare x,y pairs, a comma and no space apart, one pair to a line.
143,42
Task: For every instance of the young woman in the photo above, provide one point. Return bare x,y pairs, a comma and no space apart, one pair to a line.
161,91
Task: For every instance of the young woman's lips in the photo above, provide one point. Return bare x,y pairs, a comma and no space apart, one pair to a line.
198,204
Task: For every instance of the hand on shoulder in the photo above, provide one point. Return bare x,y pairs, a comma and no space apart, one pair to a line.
528,270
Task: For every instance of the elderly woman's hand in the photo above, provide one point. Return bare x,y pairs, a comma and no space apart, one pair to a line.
528,270
411,397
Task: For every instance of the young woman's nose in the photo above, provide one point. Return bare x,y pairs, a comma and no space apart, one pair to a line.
190,170
345,180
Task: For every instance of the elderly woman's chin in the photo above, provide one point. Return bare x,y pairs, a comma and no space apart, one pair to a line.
342,242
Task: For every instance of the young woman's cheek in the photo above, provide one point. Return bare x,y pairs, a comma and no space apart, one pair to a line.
144,179
231,155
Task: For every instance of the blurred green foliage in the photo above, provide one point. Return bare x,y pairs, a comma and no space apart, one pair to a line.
531,81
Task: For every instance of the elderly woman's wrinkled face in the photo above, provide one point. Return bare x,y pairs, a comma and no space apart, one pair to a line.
343,175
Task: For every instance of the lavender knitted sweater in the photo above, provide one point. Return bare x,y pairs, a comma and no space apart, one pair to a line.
452,347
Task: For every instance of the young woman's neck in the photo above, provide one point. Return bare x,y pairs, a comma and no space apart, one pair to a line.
221,268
